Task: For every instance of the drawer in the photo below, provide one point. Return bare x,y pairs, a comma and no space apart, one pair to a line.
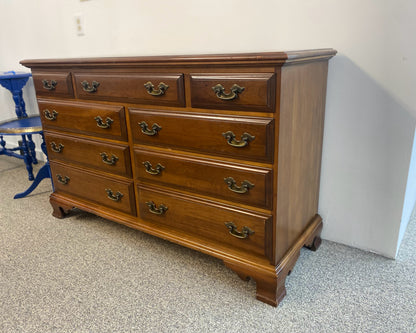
146,88
87,118
234,182
57,84
244,137
248,91
110,192
100,155
247,231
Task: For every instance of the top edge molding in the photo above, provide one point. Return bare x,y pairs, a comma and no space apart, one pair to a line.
279,58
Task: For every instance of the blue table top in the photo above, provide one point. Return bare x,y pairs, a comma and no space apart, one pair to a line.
13,75
28,125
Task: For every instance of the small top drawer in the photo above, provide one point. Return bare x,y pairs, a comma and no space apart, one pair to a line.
87,118
142,88
53,84
248,91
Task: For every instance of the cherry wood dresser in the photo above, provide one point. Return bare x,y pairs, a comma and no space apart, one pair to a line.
219,153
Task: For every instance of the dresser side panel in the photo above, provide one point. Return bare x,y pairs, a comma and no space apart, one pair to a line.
301,121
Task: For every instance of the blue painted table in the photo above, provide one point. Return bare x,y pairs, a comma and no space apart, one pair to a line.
23,126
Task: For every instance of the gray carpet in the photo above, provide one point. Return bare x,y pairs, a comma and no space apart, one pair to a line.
86,274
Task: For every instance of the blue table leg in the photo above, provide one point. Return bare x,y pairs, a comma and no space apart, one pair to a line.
44,172
27,158
31,146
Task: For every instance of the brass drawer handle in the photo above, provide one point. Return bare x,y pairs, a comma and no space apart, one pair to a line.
115,197
107,160
90,88
63,180
56,148
233,94
158,211
162,87
102,124
49,85
244,233
245,139
145,128
245,185
49,115
149,169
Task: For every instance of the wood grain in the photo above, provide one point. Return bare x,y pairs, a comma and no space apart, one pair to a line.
63,82
87,152
92,186
206,176
129,87
204,133
195,217
258,93
300,150
80,117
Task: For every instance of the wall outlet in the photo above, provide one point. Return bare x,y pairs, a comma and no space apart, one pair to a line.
79,24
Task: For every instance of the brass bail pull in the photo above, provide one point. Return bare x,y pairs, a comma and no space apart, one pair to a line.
233,94
110,161
245,139
156,210
90,88
49,85
151,132
162,87
243,234
153,171
115,197
62,179
56,148
50,116
104,124
244,188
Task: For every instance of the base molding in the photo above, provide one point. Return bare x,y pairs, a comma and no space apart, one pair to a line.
60,209
270,281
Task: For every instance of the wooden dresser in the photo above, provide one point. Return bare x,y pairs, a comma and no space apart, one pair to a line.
219,153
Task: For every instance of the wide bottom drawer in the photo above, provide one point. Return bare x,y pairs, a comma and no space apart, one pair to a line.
240,230
113,193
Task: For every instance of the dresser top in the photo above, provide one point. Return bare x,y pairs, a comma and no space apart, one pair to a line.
279,58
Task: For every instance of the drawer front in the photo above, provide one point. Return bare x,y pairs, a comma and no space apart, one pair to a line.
234,182
113,158
207,220
57,84
86,118
109,192
249,91
245,137
146,88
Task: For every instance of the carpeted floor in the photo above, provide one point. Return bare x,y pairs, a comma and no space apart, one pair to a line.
86,274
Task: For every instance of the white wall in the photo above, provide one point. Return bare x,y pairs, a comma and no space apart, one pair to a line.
371,112
410,196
